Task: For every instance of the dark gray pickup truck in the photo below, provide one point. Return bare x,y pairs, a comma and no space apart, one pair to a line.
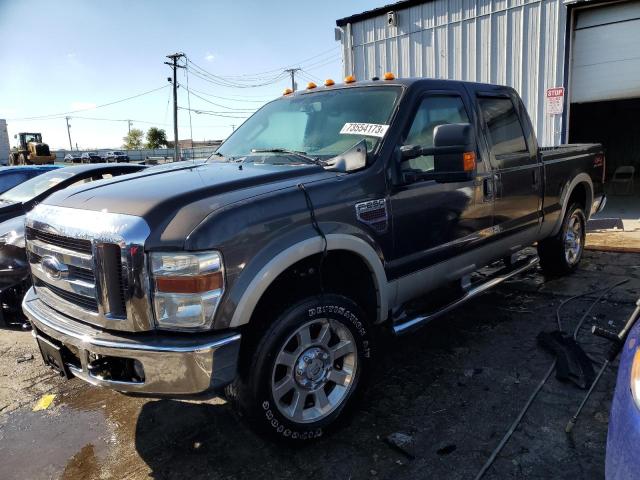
331,216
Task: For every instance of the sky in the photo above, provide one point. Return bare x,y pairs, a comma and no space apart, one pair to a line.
73,55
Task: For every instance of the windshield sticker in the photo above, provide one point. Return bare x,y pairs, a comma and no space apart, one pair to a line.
367,129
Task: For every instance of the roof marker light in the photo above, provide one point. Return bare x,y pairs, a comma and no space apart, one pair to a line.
389,76
328,82
350,79
311,85
287,91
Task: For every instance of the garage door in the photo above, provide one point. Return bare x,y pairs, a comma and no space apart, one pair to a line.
606,53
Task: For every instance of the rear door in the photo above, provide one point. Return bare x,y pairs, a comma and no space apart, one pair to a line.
513,155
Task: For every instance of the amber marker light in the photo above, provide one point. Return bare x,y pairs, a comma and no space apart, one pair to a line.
189,284
468,161
287,91
328,82
311,86
350,79
389,76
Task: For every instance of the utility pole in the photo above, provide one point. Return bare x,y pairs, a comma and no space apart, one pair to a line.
174,64
292,72
129,123
233,128
69,133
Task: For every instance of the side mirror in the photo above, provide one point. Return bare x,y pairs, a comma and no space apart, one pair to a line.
15,136
453,151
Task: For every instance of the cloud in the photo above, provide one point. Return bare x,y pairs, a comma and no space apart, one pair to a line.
82,105
71,55
209,57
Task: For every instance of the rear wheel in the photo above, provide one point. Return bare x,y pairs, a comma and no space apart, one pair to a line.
561,254
307,370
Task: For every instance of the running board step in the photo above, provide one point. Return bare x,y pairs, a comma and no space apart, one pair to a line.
406,325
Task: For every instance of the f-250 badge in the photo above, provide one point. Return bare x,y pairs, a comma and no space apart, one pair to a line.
374,213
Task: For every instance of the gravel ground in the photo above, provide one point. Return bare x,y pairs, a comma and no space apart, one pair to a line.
453,388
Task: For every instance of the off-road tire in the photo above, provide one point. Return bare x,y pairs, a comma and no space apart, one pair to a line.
252,392
553,252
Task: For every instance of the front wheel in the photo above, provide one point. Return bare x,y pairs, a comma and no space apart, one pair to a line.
561,254
307,370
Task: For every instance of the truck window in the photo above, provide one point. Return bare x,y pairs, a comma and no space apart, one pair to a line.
504,131
433,111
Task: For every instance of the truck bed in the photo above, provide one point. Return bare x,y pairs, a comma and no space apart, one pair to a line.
566,162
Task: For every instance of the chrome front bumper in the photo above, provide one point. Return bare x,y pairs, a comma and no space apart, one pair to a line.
182,364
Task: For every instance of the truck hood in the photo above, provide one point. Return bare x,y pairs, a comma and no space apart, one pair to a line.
188,193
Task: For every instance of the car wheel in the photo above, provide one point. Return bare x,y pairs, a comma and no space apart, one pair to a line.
307,370
561,254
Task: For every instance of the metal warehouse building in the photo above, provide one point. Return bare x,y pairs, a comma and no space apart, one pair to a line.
575,63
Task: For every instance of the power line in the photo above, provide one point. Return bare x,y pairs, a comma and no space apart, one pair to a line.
61,115
205,75
220,105
213,113
231,99
275,70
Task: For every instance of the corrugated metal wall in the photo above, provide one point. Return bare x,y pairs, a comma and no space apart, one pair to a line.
511,42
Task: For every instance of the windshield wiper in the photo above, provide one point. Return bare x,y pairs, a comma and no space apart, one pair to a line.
295,153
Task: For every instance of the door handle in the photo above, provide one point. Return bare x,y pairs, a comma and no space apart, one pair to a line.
488,187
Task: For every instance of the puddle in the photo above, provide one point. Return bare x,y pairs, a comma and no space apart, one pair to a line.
60,443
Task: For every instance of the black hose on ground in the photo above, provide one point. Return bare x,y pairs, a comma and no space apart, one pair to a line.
524,410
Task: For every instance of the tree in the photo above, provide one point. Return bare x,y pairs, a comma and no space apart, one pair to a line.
156,138
133,140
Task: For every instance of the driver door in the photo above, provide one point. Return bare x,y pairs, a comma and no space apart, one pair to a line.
434,221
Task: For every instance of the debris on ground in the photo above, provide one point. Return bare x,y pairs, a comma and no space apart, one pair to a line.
25,358
44,402
447,449
403,443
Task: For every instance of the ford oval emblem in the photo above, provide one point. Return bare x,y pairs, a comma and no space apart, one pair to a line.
54,268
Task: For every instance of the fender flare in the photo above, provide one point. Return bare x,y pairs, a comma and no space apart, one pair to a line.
578,179
299,251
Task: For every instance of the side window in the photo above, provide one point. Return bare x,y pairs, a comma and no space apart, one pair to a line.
433,111
504,131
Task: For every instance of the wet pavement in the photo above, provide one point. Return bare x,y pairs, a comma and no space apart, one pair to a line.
453,388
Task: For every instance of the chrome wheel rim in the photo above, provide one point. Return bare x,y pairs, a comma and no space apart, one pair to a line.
314,370
573,239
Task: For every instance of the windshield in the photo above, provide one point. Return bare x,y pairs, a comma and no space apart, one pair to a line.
319,124
32,137
34,187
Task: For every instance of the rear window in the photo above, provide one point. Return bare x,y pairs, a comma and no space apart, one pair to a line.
503,126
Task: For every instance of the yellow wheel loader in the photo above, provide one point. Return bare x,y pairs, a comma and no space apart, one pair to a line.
31,151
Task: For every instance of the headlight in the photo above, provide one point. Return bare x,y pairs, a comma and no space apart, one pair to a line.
13,232
187,289
635,378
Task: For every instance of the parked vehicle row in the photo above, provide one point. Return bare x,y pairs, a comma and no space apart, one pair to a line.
115,156
271,270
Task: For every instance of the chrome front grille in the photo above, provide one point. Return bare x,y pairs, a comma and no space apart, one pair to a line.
90,265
